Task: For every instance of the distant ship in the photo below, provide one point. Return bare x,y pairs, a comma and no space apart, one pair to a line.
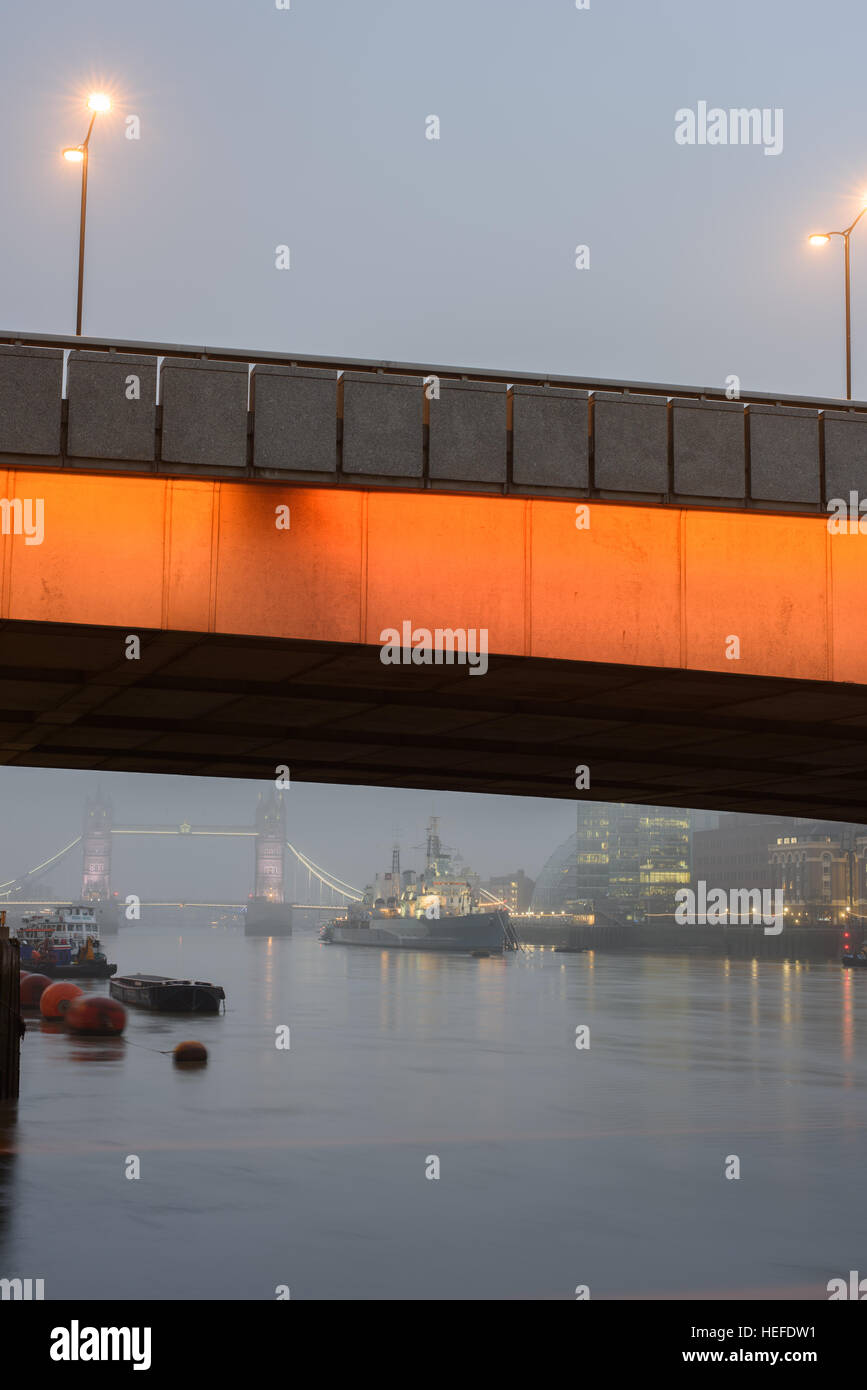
438,911
63,941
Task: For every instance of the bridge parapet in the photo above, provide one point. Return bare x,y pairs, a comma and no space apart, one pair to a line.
205,412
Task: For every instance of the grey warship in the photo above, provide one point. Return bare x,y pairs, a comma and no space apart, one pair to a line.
438,910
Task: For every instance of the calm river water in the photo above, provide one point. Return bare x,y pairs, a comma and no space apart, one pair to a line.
558,1166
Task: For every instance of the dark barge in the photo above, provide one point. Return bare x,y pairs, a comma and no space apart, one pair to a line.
165,995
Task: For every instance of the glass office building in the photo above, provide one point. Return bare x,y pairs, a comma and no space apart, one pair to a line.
628,859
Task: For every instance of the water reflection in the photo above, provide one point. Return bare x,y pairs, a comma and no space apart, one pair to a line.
83,1049
847,1023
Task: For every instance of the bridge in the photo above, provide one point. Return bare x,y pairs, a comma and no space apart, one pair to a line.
270,875
663,598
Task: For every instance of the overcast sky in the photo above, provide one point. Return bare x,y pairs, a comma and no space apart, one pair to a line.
306,127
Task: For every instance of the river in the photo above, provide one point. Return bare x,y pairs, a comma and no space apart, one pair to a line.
305,1168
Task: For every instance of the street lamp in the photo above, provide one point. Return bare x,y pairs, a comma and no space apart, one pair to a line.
77,154
822,239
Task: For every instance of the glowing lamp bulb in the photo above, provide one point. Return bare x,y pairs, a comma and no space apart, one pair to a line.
75,156
819,239
98,101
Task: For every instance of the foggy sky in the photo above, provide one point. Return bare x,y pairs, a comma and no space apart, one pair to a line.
306,127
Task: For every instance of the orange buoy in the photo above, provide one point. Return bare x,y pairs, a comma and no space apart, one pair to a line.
32,989
190,1054
57,998
22,974
95,1015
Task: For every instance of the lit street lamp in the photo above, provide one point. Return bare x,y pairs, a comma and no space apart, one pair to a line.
77,154
822,239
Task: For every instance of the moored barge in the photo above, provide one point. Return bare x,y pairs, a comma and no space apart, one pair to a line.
165,995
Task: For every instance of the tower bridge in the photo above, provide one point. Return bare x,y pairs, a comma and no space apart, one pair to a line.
270,887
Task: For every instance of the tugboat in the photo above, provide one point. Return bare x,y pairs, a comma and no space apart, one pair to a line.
63,943
439,911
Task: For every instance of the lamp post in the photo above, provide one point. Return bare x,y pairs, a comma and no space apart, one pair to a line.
822,239
77,154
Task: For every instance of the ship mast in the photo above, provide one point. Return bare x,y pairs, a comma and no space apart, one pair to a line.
434,848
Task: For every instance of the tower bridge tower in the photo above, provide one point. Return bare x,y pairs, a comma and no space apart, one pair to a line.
270,845
96,849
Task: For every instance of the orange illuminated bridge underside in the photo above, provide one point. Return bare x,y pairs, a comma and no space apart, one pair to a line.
260,646
641,585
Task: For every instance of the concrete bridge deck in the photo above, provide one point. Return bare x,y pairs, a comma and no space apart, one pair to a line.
211,412
610,641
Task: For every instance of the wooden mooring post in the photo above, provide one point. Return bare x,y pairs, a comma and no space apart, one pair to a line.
10,1014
